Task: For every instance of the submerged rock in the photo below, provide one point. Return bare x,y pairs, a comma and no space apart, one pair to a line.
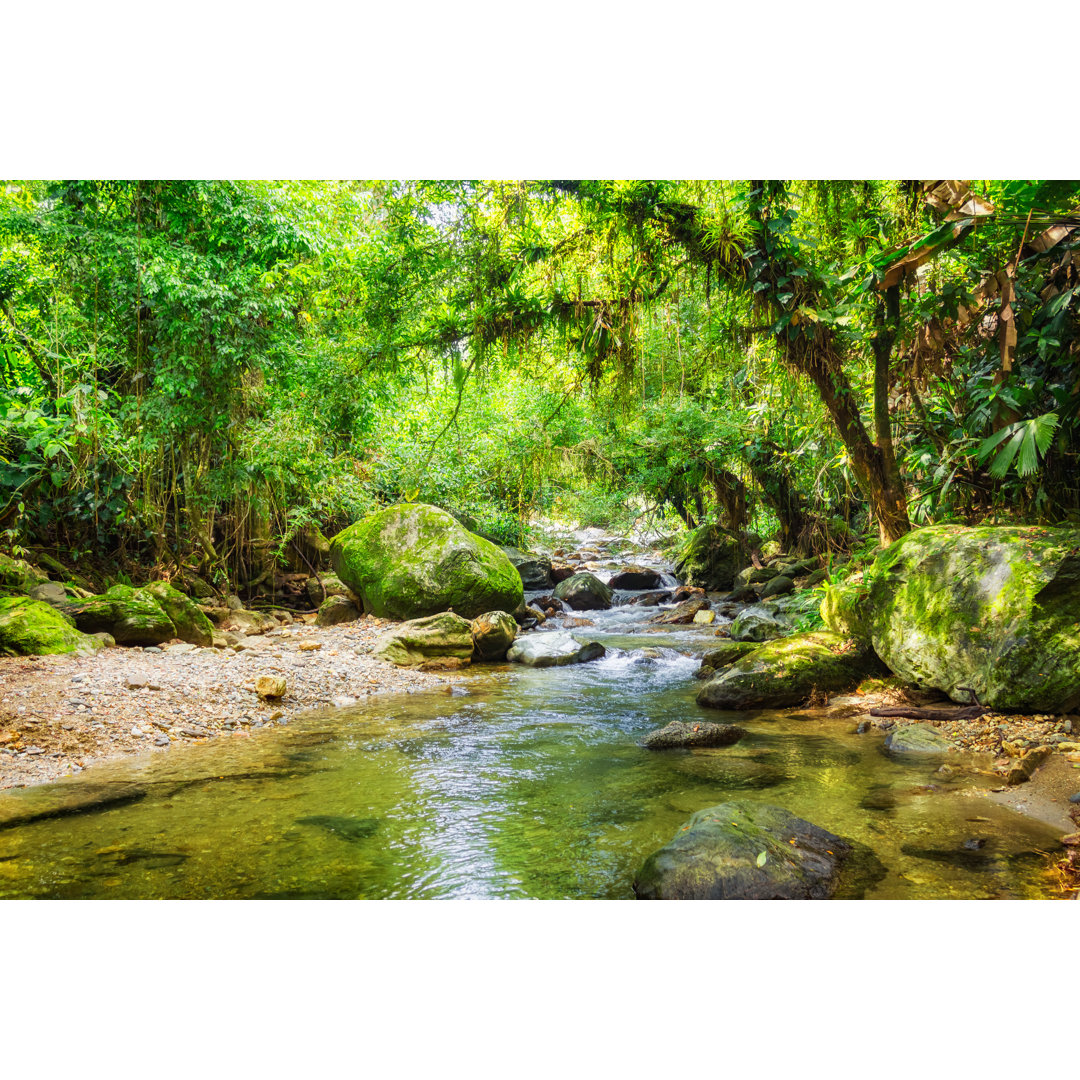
33,628
788,672
584,592
918,739
414,560
991,608
553,650
413,643
681,734
744,851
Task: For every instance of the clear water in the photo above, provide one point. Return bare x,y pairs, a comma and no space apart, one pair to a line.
522,783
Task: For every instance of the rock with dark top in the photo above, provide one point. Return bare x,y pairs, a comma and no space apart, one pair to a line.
652,599
561,573
742,595
535,570
584,592
683,613
635,577
686,592
723,656
701,733
777,586
745,851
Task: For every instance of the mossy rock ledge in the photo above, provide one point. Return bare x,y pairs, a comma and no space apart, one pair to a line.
147,616
413,560
787,671
993,608
30,627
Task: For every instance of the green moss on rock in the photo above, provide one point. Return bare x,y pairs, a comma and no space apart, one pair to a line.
996,609
187,618
413,560
18,576
132,616
787,671
30,627
412,643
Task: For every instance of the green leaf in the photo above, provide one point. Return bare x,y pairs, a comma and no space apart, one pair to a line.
762,857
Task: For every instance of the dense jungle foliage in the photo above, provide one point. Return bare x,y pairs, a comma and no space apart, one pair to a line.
195,373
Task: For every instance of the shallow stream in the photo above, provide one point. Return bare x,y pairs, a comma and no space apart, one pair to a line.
519,783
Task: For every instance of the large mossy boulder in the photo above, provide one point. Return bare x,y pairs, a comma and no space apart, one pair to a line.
535,570
417,641
18,576
146,616
31,627
584,592
788,672
996,609
709,558
745,851
414,560
844,609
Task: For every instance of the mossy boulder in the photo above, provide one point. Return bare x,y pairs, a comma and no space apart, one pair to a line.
757,624
788,671
31,627
336,609
844,609
146,616
414,560
18,576
723,656
584,592
745,850
994,608
708,559
417,641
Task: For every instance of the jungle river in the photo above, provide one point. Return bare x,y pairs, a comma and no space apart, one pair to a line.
517,782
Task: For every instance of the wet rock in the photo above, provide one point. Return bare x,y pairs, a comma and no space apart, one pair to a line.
342,701
534,570
270,686
553,650
1075,798
686,592
743,595
562,573
652,599
635,577
681,734
723,656
584,592
493,633
682,614
704,617
1020,770
744,851
918,739
336,609
347,828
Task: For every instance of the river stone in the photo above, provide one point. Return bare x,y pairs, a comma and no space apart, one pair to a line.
635,577
336,609
413,643
702,733
788,672
918,739
683,613
189,622
756,624
723,656
414,560
708,558
326,585
50,592
493,633
584,592
994,608
555,649
31,627
132,616
561,573
755,575
777,586
717,855
270,686
652,599
535,570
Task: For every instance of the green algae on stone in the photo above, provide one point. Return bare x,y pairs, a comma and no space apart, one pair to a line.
30,627
845,611
708,559
412,643
788,671
18,576
186,616
132,616
413,560
993,608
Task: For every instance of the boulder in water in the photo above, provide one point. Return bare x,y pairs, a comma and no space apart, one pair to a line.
918,739
652,599
709,558
788,672
535,570
584,592
683,613
744,851
688,734
635,577
415,560
493,633
553,650
413,643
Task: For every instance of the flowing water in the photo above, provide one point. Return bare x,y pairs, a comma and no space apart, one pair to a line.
520,783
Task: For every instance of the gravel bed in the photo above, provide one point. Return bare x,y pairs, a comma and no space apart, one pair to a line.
58,714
